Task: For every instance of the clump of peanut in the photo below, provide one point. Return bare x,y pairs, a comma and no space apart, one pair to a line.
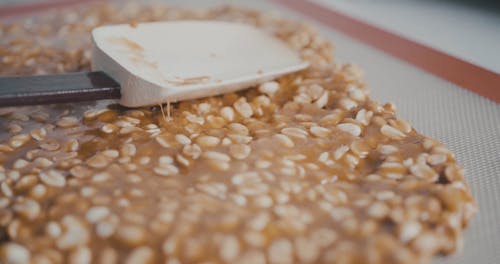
303,169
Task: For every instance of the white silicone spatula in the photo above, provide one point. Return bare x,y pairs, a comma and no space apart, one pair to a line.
153,63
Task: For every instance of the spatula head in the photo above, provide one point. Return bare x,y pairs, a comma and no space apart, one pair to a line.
171,61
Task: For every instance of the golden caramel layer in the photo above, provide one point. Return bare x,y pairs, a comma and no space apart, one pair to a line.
303,169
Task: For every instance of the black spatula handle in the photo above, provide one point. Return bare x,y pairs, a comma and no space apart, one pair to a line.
61,88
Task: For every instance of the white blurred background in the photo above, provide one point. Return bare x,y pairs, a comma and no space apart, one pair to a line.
469,30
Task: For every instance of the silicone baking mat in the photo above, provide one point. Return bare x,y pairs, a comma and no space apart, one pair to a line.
445,98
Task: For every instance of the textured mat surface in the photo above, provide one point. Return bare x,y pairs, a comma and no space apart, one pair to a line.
468,124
